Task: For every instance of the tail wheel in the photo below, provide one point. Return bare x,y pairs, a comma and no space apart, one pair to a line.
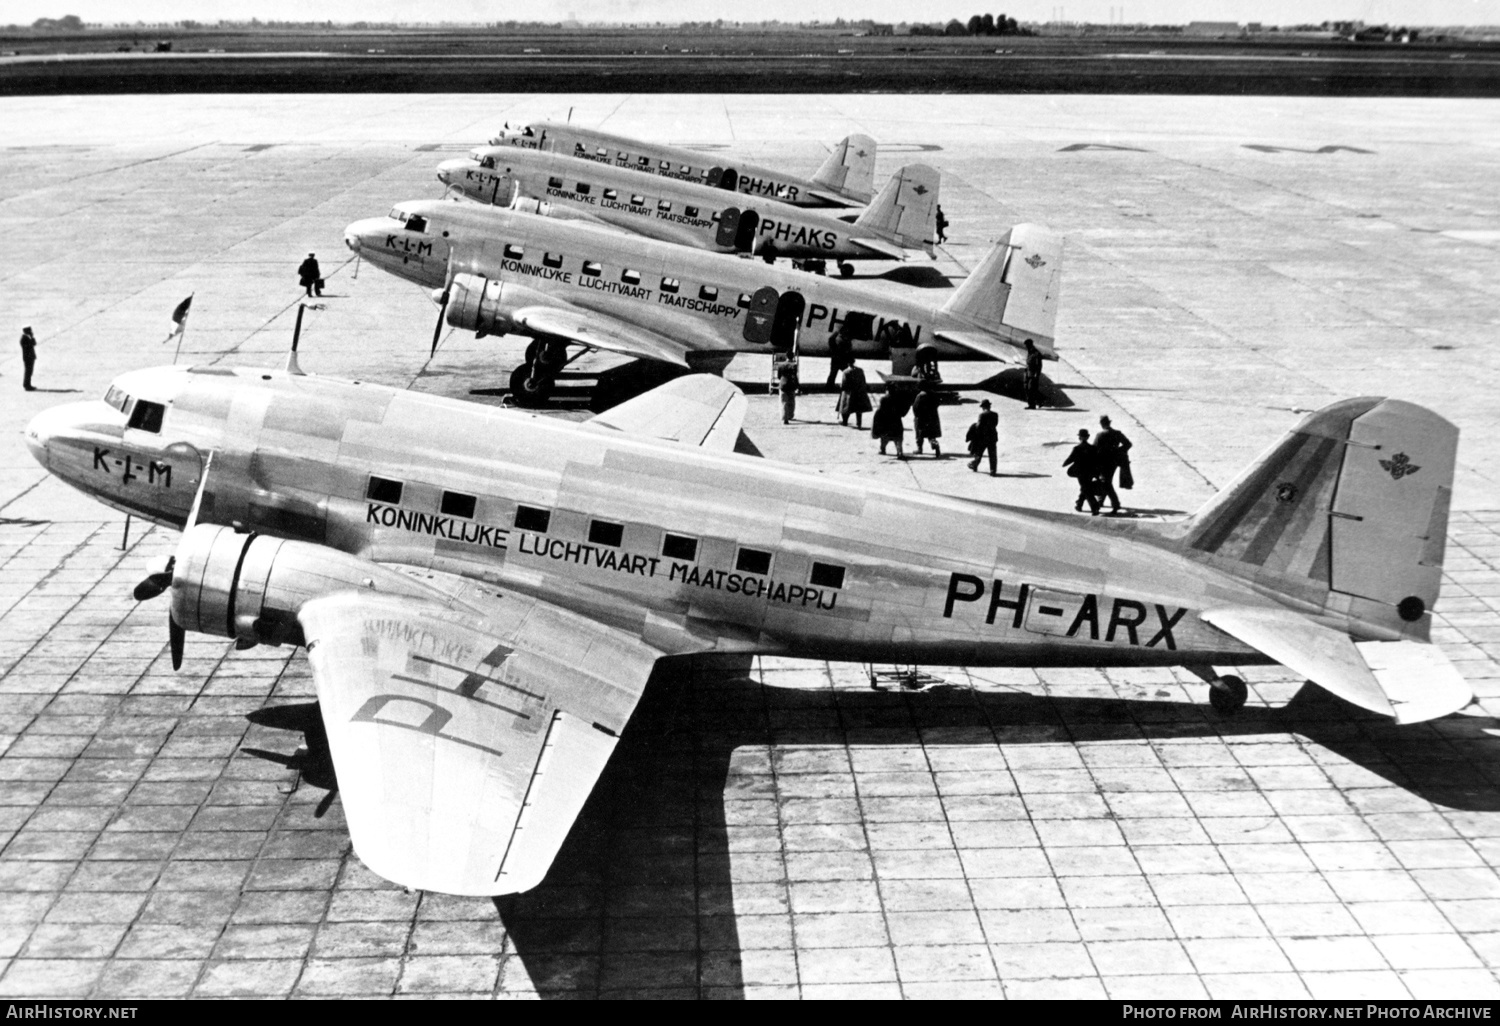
1227,695
846,270
528,389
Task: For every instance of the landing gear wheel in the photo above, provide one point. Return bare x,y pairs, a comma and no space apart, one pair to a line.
529,390
1227,695
846,270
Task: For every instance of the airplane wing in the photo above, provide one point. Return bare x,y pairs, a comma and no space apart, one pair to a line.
700,410
1387,677
465,744
986,345
601,331
886,249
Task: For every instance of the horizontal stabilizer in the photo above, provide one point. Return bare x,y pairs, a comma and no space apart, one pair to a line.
885,249
986,345
1418,679
699,410
1323,655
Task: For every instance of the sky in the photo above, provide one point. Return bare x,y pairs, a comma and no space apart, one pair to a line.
1271,12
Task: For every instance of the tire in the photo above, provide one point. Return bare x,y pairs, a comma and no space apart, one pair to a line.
1227,695
846,270
527,391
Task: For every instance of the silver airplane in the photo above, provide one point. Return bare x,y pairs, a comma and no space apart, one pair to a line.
903,217
495,271
846,179
483,593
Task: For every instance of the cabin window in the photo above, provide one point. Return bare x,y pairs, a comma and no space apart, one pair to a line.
744,300
637,201
708,292
665,165
146,416
684,169
611,194
602,151
552,259
529,518
690,211
644,161
665,206
578,147
670,285
583,188
602,532
630,277
826,575
680,546
554,183
514,252
753,561
592,268
416,223
457,504
383,489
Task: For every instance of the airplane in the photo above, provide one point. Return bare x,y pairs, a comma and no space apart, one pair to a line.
902,217
483,593
846,179
495,271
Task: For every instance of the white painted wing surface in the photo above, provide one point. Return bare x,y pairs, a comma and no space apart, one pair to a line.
985,345
886,249
601,331
701,410
466,745
1419,680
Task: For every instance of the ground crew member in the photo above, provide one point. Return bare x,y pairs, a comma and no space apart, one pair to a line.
984,435
1033,375
309,276
28,357
788,383
924,412
942,225
1112,447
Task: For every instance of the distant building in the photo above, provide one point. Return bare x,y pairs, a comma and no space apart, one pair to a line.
1217,29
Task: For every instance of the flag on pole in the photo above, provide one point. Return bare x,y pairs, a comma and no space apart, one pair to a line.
179,318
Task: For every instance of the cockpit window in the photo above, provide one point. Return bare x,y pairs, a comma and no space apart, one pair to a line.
487,162
117,398
146,416
397,214
526,131
416,223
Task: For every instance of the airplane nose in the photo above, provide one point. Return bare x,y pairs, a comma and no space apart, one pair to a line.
352,241
44,427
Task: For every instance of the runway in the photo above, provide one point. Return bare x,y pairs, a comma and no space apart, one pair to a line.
785,830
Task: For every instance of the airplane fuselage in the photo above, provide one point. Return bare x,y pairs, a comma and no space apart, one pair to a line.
699,551
674,162
707,301
658,207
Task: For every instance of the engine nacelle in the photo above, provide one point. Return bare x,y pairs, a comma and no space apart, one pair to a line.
250,586
531,205
474,305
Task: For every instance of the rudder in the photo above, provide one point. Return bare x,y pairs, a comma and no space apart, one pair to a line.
1017,286
850,168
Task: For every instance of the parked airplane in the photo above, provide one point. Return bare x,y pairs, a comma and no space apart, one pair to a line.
484,593
846,179
902,217
495,271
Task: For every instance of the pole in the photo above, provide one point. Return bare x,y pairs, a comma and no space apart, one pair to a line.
125,541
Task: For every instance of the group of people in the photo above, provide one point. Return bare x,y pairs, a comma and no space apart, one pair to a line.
1093,465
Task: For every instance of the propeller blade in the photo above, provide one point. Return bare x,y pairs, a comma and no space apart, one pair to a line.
175,637
437,329
152,586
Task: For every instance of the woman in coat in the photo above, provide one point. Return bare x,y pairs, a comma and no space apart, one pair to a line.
854,396
924,415
886,425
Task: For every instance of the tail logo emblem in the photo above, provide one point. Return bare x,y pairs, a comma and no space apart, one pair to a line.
1286,492
1399,466
920,190
1035,260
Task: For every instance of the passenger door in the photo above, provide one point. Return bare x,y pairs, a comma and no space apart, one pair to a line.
760,318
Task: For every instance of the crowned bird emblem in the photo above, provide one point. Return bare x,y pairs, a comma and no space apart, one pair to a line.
1035,260
1399,466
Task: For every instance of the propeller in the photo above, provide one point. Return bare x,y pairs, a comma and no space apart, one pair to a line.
155,584
437,329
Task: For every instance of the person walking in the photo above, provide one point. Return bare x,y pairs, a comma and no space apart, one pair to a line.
854,396
1033,375
1113,449
1083,464
840,356
942,225
28,357
787,384
887,426
309,276
984,435
924,415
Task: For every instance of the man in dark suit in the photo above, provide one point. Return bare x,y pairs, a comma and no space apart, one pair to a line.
1033,375
28,357
309,276
984,435
1083,464
1112,447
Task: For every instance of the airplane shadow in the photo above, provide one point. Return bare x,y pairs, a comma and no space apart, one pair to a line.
1011,383
917,276
642,898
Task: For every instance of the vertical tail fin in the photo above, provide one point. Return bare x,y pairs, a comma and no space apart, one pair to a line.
1016,286
1350,508
850,168
905,212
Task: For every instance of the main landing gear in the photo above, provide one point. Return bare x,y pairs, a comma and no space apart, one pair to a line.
1226,693
531,383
